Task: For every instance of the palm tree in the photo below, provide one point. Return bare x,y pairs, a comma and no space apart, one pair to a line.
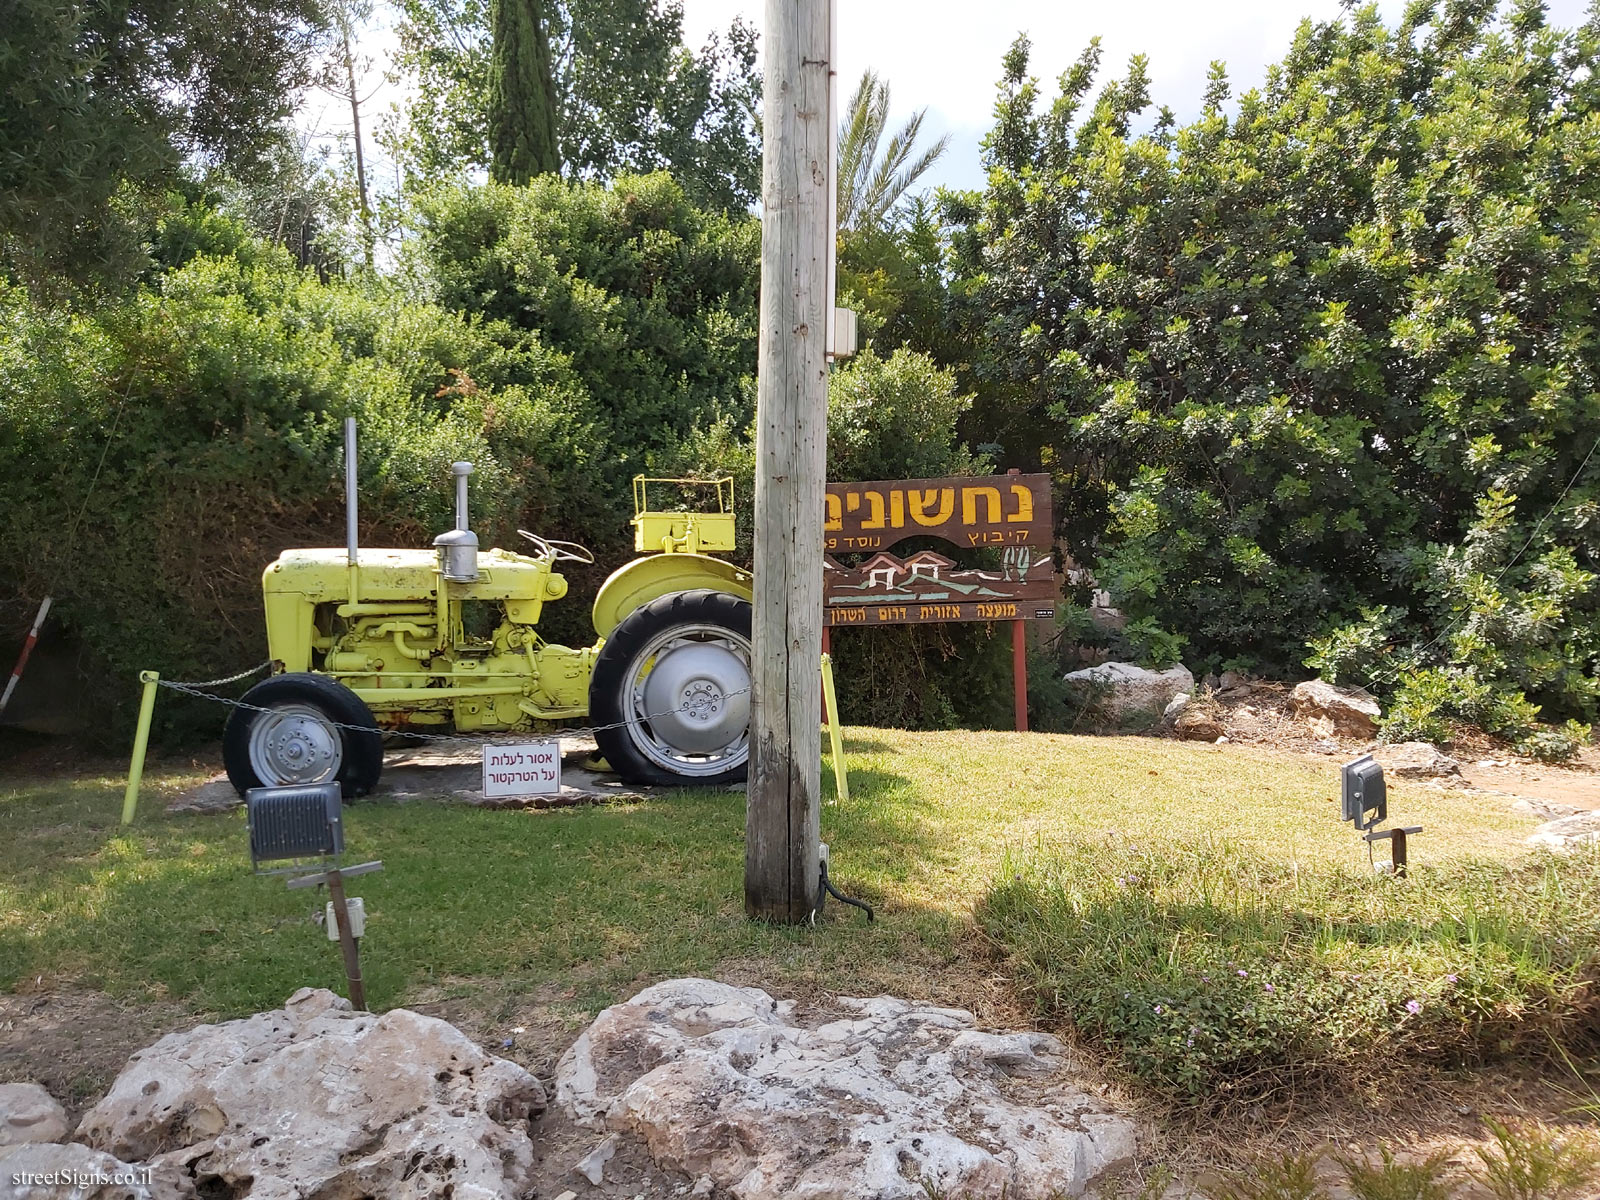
870,187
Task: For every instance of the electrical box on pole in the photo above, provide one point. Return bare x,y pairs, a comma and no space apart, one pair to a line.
782,828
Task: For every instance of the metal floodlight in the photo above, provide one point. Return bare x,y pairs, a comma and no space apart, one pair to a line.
302,821
1364,793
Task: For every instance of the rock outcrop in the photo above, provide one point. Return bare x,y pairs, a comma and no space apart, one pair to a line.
727,1085
28,1113
314,1099
1568,833
77,1172
1330,709
1197,725
1130,694
1416,760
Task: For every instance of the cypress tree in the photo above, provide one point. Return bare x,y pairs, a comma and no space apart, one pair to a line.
522,97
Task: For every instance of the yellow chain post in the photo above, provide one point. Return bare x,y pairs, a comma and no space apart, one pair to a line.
141,739
835,733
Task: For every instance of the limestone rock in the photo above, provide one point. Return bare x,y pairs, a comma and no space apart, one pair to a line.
1174,709
28,1113
1196,726
122,1181
1235,681
1332,709
1416,760
725,1084
1545,810
313,1099
1124,691
593,1165
1568,833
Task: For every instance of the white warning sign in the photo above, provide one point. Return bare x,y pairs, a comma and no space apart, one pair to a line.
527,769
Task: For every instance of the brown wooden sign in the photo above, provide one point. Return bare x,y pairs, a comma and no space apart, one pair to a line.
1008,512
994,510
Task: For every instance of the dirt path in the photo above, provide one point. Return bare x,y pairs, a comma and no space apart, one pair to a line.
1546,787
1256,714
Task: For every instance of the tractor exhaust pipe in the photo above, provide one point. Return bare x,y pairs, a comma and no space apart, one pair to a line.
458,549
461,470
350,506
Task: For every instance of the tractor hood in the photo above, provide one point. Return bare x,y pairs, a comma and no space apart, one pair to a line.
406,575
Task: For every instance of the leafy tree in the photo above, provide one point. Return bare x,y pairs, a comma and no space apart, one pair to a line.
630,96
522,102
894,279
1331,353
874,179
653,301
101,103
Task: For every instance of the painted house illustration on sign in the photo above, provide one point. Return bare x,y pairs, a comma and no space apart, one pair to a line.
926,576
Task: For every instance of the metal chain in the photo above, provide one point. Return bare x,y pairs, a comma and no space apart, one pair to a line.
211,683
194,689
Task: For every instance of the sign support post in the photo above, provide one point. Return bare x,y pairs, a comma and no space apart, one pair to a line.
1019,673
347,941
782,873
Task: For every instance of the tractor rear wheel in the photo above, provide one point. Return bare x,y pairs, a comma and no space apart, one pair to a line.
674,681
301,729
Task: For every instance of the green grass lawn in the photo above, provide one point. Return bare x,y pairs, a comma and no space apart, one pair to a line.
583,905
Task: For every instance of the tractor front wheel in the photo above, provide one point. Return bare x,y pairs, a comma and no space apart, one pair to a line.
301,729
672,682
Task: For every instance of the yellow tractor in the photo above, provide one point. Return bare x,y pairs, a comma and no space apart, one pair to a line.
446,640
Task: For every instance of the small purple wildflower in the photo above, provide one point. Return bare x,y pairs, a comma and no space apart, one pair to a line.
1243,974
1158,1008
1270,988
1450,978
1413,1007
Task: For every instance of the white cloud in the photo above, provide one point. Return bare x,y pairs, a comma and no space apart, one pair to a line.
945,56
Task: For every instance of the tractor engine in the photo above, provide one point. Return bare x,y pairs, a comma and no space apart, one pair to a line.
430,639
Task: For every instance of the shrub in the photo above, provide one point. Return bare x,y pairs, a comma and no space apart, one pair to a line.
1390,1179
1356,651
1429,704
653,301
1530,1162
1211,974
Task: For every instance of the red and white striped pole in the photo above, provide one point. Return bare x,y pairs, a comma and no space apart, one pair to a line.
27,649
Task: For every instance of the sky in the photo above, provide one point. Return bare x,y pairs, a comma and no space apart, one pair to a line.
945,57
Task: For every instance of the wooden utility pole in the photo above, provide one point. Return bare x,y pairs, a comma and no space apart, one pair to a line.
782,827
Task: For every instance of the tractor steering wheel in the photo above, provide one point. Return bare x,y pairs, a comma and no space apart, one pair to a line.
559,551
